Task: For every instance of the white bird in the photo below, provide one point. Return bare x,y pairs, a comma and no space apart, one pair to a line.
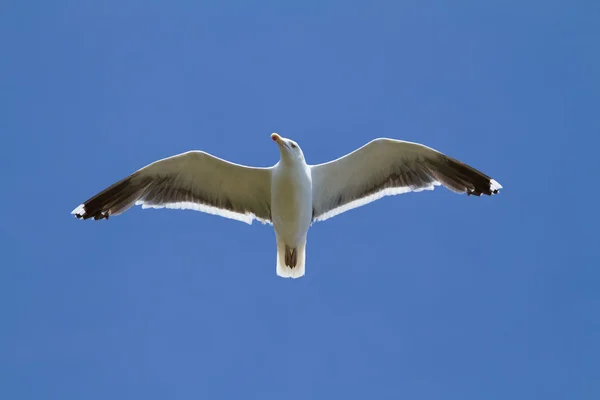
290,195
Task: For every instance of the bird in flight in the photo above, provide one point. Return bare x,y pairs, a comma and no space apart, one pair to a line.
290,195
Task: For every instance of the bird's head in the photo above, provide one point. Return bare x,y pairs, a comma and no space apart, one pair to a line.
289,150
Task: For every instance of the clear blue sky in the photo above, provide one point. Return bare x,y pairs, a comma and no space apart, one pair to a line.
420,296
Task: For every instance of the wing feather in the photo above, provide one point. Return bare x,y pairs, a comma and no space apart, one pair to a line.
194,180
386,167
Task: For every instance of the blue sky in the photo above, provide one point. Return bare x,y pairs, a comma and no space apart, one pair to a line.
419,296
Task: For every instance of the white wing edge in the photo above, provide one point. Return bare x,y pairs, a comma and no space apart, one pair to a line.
187,205
371,198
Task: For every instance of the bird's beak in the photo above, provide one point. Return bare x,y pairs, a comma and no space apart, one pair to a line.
276,138
279,140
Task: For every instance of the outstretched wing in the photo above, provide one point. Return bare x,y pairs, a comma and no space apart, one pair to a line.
385,167
194,180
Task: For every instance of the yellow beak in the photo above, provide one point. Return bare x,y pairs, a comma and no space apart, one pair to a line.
275,137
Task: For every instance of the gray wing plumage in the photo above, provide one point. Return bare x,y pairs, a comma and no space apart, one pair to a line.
387,167
194,180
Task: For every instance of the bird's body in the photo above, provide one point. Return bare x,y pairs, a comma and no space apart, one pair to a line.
291,195
291,212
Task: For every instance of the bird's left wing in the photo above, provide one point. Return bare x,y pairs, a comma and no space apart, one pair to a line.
385,167
194,180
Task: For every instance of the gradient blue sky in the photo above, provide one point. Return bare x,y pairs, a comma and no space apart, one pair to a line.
420,296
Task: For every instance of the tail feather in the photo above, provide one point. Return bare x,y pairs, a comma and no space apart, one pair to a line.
290,261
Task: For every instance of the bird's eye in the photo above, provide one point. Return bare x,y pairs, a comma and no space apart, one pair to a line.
293,145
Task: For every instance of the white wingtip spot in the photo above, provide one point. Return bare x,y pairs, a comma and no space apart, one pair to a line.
494,185
79,210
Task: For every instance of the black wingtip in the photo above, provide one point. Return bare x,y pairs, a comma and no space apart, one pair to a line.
102,205
475,182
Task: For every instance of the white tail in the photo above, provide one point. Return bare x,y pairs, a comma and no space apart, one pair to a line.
287,272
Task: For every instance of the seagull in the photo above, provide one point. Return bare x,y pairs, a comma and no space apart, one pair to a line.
290,195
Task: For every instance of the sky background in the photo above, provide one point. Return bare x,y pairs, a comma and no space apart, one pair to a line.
419,296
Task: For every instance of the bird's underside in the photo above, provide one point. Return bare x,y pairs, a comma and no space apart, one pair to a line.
199,181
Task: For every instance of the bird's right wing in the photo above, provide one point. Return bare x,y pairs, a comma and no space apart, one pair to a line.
194,180
387,167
